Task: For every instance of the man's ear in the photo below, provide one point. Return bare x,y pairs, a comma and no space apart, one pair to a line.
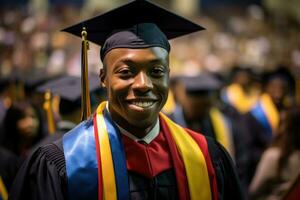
102,76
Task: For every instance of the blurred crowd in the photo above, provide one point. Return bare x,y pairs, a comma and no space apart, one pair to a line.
237,81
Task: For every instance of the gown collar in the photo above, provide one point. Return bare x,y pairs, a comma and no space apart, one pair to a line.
151,135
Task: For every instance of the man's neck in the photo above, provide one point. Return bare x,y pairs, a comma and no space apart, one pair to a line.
138,132
147,139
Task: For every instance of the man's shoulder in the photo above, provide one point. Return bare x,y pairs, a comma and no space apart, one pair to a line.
49,151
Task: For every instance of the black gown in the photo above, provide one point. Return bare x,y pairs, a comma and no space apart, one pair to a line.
9,164
43,176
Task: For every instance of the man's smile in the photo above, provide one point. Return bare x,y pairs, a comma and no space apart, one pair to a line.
141,103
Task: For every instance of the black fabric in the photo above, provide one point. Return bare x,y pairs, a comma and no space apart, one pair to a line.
9,164
229,186
143,35
43,176
163,186
259,140
242,138
55,138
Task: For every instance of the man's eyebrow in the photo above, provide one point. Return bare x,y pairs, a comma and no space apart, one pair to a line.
130,61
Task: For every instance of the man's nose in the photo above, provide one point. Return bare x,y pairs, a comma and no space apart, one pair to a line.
142,82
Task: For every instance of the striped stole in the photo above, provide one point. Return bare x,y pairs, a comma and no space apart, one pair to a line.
266,113
99,167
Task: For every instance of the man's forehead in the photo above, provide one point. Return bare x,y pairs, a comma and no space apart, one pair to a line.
144,55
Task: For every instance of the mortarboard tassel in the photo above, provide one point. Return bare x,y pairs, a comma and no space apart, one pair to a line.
49,111
85,94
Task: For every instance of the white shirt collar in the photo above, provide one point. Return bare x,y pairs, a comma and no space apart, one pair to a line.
153,133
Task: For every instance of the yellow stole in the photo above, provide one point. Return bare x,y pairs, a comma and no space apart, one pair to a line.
270,110
241,101
222,130
191,154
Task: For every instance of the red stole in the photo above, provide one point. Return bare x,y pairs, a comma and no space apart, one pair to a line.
161,154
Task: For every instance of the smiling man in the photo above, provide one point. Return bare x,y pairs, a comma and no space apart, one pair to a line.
137,85
128,149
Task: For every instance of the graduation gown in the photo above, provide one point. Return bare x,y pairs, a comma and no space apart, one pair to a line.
62,128
150,172
9,164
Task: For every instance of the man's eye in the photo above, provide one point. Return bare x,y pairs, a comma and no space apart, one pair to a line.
158,72
124,73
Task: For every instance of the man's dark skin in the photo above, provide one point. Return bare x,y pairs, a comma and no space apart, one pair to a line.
277,88
136,75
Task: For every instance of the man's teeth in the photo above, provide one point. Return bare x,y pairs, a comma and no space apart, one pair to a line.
143,104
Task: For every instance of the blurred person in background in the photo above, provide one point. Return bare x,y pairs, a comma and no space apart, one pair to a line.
198,108
263,119
280,163
65,104
21,128
240,93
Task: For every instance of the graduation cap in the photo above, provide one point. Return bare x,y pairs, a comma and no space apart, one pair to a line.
24,83
139,24
200,84
34,79
67,87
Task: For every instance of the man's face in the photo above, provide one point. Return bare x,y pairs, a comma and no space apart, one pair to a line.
277,89
137,82
29,124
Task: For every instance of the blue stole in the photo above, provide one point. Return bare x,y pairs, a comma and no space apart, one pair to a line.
259,113
267,114
82,161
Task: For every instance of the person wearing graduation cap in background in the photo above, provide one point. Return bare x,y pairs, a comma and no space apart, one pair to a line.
264,117
240,94
24,85
63,104
24,125
20,132
199,108
127,149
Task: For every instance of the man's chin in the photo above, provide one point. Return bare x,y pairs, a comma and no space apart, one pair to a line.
142,121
